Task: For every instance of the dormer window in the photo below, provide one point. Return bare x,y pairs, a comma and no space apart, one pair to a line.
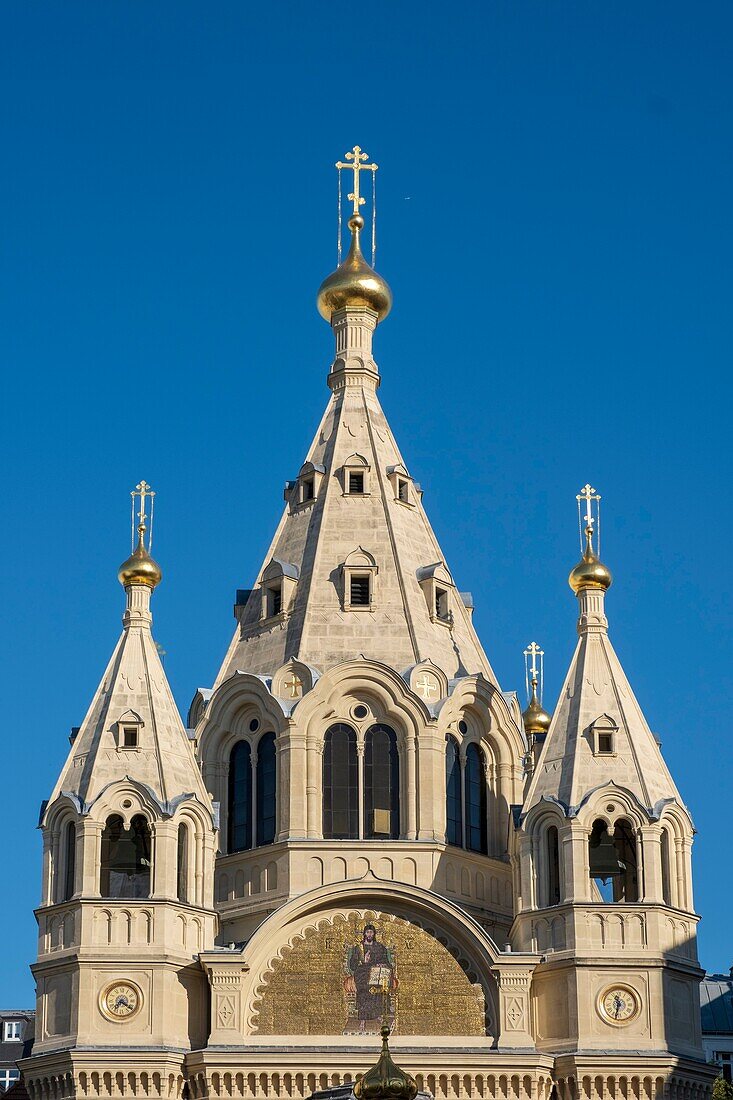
279,581
307,489
129,731
437,585
355,476
359,573
401,484
304,490
12,1032
603,736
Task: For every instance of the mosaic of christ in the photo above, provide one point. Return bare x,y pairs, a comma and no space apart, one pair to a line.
370,983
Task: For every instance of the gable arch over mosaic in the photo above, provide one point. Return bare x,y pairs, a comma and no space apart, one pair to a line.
344,971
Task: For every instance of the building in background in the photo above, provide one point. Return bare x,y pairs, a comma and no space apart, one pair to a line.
359,825
16,1040
716,1008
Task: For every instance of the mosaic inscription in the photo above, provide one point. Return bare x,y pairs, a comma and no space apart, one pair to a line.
343,976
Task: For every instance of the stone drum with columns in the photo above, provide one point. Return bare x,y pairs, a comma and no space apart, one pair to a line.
359,830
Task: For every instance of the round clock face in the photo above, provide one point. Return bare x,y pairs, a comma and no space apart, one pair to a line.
120,1001
619,1004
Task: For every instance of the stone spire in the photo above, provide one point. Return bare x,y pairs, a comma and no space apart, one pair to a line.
354,511
598,732
133,726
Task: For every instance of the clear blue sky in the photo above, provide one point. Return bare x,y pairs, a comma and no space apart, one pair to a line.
555,222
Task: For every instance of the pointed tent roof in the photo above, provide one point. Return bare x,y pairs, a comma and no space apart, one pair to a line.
133,690
596,690
316,537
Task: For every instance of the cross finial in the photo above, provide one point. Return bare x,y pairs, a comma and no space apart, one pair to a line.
534,670
590,519
142,493
355,161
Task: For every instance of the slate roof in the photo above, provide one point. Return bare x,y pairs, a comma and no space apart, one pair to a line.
716,1004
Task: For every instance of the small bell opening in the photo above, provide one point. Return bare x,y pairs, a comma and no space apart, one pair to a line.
612,861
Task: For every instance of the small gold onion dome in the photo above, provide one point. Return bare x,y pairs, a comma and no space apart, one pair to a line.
140,567
385,1080
536,719
354,283
590,572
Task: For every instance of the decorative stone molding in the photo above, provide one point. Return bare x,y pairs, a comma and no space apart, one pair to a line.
514,978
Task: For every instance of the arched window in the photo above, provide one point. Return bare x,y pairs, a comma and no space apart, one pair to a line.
266,798
182,887
340,784
613,863
125,863
69,861
666,868
475,800
453,814
553,866
381,783
240,798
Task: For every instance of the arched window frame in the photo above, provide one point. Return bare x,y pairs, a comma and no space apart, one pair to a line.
139,883
370,812
553,885
624,888
69,868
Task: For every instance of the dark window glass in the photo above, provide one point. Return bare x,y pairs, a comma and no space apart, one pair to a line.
666,877
240,798
340,784
360,591
356,483
381,783
308,489
182,863
266,768
70,861
441,603
402,490
275,600
605,742
454,823
125,864
476,831
129,737
553,867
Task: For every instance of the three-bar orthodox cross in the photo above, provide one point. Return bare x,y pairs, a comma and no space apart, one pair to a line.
533,667
354,161
590,523
143,492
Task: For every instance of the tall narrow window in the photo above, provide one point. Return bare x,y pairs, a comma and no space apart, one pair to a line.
553,866
666,876
266,809
182,863
274,600
70,861
453,816
340,784
475,801
381,784
441,603
126,864
240,798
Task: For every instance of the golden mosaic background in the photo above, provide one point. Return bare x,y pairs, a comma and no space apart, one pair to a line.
304,991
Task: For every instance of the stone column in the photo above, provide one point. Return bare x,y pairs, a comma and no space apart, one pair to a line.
314,769
650,890
410,801
297,765
165,860
91,839
574,841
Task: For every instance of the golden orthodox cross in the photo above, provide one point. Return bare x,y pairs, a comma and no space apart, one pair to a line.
588,494
533,667
294,684
143,491
354,161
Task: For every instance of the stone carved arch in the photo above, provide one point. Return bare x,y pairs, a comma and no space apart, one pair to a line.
449,924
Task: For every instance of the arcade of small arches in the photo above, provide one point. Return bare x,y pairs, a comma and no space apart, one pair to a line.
124,841
623,854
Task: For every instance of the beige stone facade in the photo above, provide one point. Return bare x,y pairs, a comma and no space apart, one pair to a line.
353,827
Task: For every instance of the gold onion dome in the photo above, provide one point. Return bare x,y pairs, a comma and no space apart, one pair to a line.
385,1080
354,282
590,572
535,717
140,567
